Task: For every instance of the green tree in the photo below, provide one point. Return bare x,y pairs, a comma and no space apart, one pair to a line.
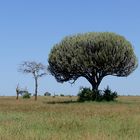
36,69
93,56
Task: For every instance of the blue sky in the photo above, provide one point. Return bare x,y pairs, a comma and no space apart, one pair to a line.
30,28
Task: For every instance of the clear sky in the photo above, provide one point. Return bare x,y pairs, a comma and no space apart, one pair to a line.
30,28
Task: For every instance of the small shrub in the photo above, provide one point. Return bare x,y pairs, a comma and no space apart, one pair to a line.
26,95
47,94
97,95
62,95
109,95
85,94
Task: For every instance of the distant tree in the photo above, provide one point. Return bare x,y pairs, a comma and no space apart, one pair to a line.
20,91
36,69
47,94
93,56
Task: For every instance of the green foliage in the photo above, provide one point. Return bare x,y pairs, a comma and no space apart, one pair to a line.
62,95
93,56
47,94
26,95
86,94
109,95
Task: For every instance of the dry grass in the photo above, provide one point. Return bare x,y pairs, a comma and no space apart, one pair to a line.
60,119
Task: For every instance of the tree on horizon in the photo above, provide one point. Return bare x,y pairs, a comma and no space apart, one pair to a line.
93,56
38,70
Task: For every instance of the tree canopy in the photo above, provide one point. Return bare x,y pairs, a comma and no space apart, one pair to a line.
92,55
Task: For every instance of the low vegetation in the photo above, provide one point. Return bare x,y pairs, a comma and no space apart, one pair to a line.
62,118
26,95
86,94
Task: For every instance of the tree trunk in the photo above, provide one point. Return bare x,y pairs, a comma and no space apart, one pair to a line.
17,92
94,84
95,92
17,97
36,88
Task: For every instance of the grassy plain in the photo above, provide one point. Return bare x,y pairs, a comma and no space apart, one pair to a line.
58,119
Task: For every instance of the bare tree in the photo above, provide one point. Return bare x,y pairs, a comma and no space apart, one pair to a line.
17,91
36,69
20,91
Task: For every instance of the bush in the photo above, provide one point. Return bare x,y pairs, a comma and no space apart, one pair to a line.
26,95
47,94
109,95
86,94
97,95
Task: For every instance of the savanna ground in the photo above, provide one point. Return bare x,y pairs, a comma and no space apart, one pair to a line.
58,119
